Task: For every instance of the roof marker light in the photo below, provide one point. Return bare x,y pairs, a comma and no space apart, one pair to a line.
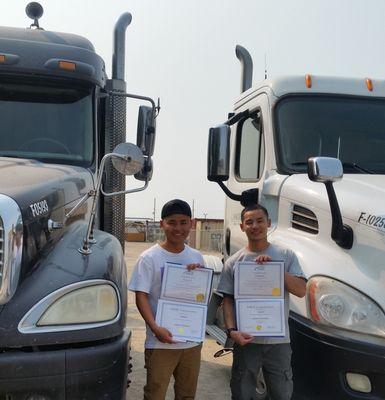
308,81
69,66
369,84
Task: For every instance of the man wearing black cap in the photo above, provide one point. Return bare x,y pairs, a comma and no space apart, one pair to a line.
163,356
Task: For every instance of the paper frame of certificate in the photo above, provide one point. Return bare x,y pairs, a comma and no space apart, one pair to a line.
252,280
186,321
180,284
261,317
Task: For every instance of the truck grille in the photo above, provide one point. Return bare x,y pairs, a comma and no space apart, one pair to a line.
304,220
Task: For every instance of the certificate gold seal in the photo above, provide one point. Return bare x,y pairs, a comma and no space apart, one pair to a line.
200,297
276,291
258,327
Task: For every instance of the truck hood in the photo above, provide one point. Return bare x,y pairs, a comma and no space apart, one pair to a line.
361,197
42,192
39,188
361,200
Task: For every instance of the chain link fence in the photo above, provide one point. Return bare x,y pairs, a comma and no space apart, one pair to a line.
208,239
154,233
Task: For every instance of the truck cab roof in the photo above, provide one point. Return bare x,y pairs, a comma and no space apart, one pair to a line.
41,35
314,84
45,53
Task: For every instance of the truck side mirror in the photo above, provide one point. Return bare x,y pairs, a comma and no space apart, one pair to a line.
325,169
145,174
218,157
145,135
328,170
130,160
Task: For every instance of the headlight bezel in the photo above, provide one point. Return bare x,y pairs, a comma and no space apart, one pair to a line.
316,293
29,323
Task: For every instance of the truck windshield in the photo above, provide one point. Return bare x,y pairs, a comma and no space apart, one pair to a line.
348,128
51,124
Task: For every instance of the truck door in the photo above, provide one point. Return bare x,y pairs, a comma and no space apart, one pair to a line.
247,165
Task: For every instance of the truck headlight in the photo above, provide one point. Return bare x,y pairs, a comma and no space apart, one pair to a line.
334,303
92,304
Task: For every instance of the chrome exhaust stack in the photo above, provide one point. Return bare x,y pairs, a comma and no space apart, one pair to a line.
247,67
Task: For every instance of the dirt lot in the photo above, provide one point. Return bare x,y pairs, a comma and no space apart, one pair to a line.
215,373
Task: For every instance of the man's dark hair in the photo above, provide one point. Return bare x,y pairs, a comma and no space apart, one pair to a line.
254,207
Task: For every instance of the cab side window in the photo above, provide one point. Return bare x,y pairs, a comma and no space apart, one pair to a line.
250,149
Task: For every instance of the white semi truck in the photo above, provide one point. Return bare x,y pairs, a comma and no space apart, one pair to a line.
281,133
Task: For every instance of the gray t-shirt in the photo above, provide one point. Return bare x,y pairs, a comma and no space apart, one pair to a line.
277,253
147,277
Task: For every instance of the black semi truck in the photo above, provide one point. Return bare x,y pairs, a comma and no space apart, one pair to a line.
62,186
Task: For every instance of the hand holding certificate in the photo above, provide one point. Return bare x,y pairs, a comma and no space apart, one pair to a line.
182,307
261,317
186,322
180,284
254,280
259,292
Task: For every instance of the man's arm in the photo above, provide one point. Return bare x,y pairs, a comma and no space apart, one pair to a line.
295,285
228,312
162,334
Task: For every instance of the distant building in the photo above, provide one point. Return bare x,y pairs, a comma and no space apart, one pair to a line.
135,230
143,230
206,234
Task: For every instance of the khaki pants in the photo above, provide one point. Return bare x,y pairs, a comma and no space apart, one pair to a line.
184,364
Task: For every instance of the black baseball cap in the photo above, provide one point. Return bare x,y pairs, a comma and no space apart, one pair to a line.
176,206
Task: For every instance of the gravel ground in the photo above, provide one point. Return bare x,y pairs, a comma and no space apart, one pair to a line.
215,372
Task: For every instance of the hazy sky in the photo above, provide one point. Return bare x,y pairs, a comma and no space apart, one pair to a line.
183,52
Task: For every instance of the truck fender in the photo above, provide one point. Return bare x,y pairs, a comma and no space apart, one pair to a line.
62,265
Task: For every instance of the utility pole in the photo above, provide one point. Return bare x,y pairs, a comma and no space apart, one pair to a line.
265,66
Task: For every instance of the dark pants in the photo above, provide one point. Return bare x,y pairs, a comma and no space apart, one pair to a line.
275,361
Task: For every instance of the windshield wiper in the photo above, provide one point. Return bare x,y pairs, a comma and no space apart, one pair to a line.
345,164
11,156
356,167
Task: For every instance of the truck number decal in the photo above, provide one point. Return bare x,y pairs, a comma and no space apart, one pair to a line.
372,220
39,208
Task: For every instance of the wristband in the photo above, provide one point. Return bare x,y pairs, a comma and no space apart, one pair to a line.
229,330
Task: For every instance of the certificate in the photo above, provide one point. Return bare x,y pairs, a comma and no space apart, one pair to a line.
261,317
255,281
186,321
180,284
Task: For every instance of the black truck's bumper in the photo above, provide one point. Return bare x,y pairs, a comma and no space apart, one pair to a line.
321,361
86,373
